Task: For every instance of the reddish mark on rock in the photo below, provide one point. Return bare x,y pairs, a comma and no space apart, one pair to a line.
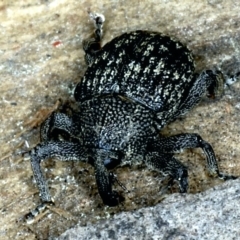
57,43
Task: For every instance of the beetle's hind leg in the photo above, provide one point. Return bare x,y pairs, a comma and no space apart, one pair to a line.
210,83
92,45
98,20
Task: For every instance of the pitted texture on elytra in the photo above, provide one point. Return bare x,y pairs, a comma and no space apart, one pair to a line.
149,68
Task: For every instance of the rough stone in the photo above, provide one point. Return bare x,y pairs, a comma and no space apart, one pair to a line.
213,214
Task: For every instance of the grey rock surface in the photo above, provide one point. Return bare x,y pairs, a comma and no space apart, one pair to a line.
214,214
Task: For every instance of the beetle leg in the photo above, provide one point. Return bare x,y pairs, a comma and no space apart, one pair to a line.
93,44
232,79
190,140
168,165
98,20
104,181
31,216
65,151
58,123
208,81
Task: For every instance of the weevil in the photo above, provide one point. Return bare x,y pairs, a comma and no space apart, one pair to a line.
134,86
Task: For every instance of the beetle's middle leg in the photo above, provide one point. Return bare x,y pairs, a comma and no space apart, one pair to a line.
167,164
187,140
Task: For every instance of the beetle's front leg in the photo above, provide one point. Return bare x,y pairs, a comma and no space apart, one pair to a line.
65,151
58,123
104,180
